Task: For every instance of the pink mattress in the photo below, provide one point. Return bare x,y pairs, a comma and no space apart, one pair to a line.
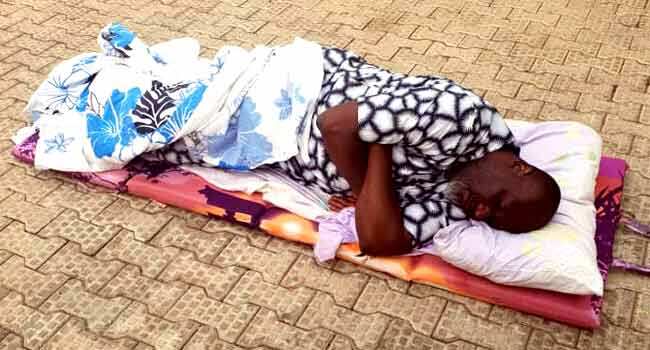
170,185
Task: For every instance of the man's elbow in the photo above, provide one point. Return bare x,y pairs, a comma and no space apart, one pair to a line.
383,244
329,125
338,121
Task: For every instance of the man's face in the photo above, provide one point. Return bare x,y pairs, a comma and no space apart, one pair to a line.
500,191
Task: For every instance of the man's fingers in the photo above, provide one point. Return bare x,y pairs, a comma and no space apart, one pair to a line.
335,208
337,203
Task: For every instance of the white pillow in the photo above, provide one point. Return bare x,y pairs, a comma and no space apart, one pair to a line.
559,257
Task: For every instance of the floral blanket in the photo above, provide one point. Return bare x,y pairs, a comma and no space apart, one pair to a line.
242,109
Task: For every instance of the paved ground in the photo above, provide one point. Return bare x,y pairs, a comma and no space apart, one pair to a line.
84,269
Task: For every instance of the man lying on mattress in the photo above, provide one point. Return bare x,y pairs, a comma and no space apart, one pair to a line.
412,154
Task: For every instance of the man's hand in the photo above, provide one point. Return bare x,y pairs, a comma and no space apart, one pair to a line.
338,203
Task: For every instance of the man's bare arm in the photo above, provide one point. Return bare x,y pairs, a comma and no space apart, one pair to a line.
338,125
368,170
378,216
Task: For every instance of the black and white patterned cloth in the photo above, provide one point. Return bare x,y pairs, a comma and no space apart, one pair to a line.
431,121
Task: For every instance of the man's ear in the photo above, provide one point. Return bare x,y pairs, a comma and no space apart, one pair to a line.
522,168
482,211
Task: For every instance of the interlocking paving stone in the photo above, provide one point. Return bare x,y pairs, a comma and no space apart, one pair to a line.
322,312
90,237
565,99
152,260
612,65
612,337
143,346
136,323
193,220
488,70
265,329
73,299
377,297
552,112
630,67
631,281
143,225
422,20
271,265
33,216
228,320
576,72
467,55
33,285
631,80
287,303
400,335
345,288
531,108
158,296
216,281
206,338
552,55
73,335
34,249
542,81
509,88
255,237
4,255
341,343
641,316
87,204
348,268
540,340
70,261
456,322
277,245
205,245
34,326
12,342
405,59
619,306
139,203
520,63
33,188
561,333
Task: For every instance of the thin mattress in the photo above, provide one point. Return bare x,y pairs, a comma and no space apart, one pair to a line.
173,186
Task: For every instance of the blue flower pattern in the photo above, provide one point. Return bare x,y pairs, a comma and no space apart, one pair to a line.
82,102
218,63
182,113
67,88
61,95
110,127
115,125
156,57
286,100
82,63
120,36
59,143
241,147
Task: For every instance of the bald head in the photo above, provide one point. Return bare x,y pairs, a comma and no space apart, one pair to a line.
505,192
